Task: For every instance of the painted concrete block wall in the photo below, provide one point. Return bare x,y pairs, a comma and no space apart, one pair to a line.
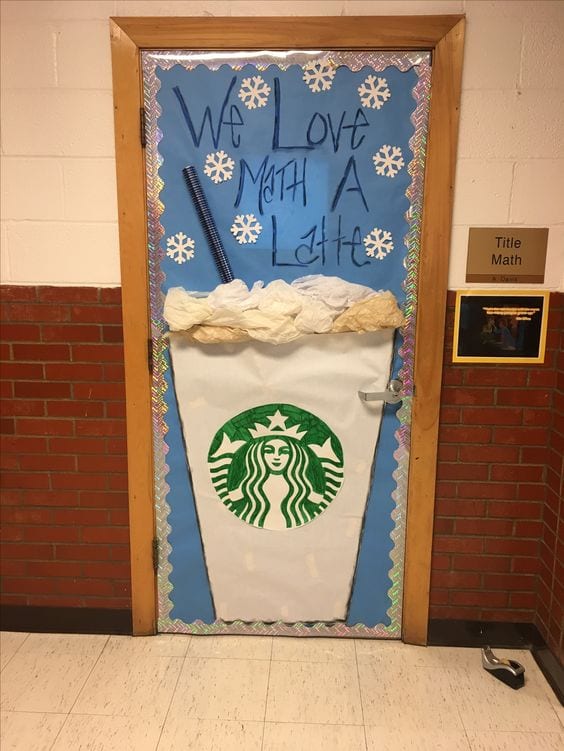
58,211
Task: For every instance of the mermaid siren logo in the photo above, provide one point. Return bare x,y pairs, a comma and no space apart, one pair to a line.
276,466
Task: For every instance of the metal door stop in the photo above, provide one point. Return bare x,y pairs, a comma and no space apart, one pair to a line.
510,672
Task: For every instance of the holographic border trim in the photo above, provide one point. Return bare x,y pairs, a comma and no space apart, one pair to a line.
155,207
418,144
355,60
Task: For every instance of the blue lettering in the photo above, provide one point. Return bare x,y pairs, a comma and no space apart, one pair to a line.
336,137
286,183
275,261
355,125
235,137
304,246
339,240
207,118
293,186
276,130
244,168
355,188
353,244
314,250
267,189
310,128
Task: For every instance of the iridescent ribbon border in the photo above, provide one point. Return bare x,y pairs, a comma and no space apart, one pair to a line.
355,60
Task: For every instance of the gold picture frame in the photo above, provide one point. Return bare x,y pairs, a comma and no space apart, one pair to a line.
500,326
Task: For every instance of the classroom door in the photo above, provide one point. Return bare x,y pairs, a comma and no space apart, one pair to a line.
281,470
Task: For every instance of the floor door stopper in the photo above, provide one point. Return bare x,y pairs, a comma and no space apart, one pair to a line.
509,672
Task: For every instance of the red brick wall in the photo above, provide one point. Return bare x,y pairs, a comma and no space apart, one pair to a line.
550,611
63,452
491,485
64,490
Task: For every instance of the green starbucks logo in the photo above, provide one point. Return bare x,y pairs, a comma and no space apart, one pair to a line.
276,466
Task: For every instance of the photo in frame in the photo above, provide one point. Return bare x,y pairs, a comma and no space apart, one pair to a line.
499,326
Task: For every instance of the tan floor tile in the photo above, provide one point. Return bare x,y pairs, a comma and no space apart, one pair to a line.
181,733
408,697
403,655
51,683
226,689
313,649
307,692
10,642
558,708
160,645
487,704
130,686
44,645
107,733
289,736
516,741
29,731
235,647
401,739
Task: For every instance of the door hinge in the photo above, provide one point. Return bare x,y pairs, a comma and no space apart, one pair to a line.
142,124
156,554
150,355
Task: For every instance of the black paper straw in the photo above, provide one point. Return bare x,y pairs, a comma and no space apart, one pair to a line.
208,224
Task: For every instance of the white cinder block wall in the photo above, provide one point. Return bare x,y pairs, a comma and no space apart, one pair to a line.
58,211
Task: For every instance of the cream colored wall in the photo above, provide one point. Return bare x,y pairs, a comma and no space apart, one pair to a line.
59,215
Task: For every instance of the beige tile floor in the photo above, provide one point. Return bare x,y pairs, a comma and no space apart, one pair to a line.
183,693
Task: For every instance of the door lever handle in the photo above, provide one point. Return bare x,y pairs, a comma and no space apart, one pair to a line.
392,395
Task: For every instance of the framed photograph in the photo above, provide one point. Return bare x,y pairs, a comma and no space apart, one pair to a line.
498,326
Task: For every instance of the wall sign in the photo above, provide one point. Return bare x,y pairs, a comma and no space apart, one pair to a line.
500,327
506,255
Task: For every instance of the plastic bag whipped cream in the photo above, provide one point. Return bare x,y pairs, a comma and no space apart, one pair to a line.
280,312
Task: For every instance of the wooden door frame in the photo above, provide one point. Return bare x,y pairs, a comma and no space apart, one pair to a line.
444,37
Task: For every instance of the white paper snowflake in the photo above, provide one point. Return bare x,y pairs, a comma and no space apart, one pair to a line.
319,75
388,161
219,167
246,228
254,92
374,92
378,243
180,248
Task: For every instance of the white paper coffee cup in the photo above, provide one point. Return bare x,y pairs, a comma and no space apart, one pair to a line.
304,572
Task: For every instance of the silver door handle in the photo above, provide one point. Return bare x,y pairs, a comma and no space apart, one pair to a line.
392,395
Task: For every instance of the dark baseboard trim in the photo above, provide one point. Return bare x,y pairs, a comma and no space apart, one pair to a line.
552,671
446,633
65,620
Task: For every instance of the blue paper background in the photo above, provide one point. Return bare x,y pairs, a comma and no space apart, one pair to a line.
296,240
